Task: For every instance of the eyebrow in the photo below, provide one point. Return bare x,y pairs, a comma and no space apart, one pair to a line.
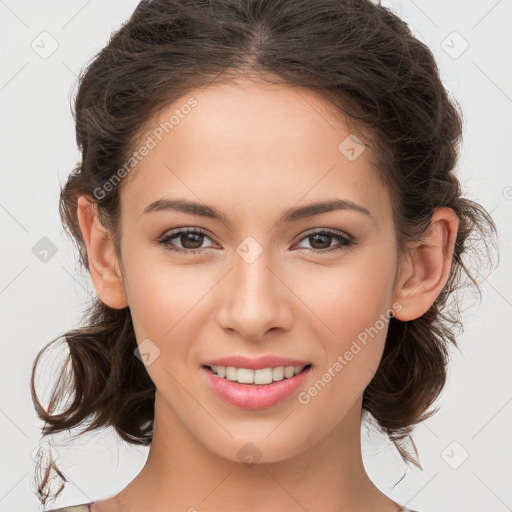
292,215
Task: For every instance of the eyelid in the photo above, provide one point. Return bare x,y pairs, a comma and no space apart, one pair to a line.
330,231
346,242
170,234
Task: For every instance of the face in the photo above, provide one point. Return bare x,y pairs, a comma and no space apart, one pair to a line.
263,278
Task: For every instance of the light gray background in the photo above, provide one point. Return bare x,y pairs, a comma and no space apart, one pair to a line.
41,300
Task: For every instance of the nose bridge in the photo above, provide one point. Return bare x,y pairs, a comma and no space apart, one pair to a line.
255,281
253,278
255,296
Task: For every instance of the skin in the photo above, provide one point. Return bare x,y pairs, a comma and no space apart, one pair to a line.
253,151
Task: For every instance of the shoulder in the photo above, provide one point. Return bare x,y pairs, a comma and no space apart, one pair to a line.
84,507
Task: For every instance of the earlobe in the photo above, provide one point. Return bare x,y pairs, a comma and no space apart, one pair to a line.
428,267
101,257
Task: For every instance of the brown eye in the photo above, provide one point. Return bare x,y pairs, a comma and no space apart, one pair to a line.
184,240
320,241
191,240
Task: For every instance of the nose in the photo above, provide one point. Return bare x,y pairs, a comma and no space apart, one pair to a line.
256,299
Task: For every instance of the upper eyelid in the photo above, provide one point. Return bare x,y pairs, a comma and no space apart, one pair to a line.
330,231
334,232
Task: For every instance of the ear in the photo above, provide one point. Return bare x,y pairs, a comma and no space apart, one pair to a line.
428,265
103,264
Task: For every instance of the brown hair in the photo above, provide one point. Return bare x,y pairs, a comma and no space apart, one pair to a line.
366,62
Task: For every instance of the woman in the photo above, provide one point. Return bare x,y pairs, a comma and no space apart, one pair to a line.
267,209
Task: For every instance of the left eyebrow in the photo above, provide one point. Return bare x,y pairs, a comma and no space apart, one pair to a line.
292,215
295,214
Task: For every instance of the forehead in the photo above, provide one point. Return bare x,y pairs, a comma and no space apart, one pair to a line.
254,144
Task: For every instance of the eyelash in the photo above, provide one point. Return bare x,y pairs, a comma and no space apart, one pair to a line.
346,242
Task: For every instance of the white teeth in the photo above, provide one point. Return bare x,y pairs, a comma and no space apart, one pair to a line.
289,371
263,376
231,373
278,373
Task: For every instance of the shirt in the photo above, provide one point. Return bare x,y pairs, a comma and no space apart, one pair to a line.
86,507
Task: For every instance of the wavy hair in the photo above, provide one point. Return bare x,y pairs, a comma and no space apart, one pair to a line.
365,61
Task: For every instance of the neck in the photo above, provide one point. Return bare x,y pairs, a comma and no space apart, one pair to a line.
180,474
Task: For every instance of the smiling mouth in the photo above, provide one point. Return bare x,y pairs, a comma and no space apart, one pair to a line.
260,377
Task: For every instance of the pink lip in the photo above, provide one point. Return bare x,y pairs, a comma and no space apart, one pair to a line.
254,396
257,363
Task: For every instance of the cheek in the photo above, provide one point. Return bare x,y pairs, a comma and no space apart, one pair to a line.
351,306
166,308
165,299
351,297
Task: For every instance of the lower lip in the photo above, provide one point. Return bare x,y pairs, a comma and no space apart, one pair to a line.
254,396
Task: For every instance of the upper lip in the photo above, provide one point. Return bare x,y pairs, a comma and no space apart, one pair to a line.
256,363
